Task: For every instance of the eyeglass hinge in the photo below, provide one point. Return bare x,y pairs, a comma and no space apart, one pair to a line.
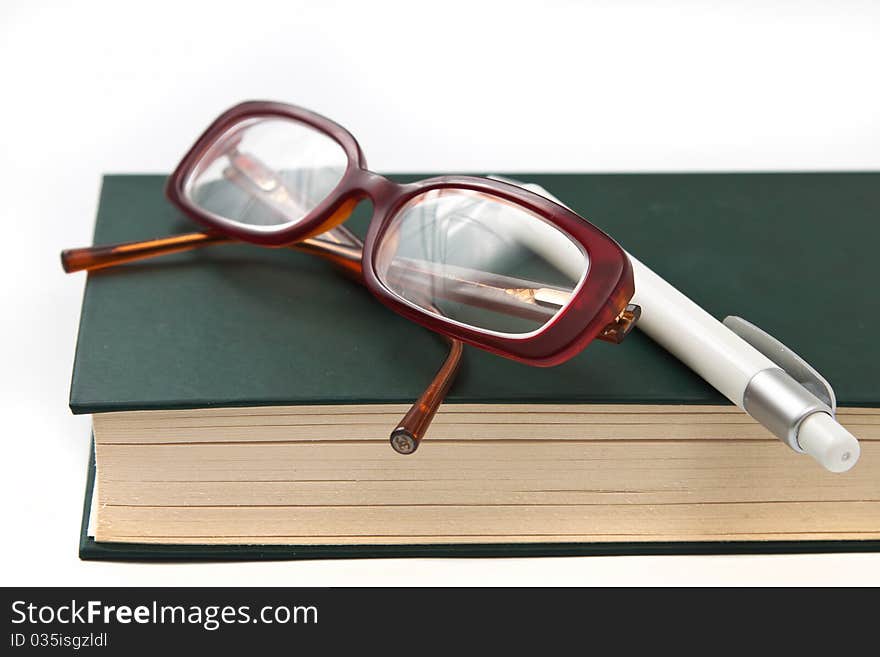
617,330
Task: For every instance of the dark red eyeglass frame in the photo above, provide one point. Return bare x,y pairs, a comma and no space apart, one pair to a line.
596,307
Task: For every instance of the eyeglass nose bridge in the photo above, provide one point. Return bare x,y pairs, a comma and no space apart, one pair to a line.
376,187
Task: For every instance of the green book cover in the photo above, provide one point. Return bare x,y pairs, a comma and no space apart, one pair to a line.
239,325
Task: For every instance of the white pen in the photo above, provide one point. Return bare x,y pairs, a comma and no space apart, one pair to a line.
749,367
791,409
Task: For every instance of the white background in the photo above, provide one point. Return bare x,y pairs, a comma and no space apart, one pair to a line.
92,87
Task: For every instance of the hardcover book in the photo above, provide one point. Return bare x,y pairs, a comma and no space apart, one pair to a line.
242,397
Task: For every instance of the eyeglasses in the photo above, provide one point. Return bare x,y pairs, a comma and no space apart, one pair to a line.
478,260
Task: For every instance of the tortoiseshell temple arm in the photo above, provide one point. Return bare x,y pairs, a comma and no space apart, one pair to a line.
91,258
407,437
341,247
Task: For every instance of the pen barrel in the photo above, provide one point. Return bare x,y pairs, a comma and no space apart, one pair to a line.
694,336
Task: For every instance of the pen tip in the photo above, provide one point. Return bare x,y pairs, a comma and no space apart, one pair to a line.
828,442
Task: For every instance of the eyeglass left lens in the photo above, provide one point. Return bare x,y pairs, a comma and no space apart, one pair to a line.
266,171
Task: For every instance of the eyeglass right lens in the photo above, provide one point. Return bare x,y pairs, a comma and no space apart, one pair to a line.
479,260
267,171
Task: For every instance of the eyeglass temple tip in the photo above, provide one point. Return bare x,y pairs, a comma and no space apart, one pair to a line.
403,441
65,261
